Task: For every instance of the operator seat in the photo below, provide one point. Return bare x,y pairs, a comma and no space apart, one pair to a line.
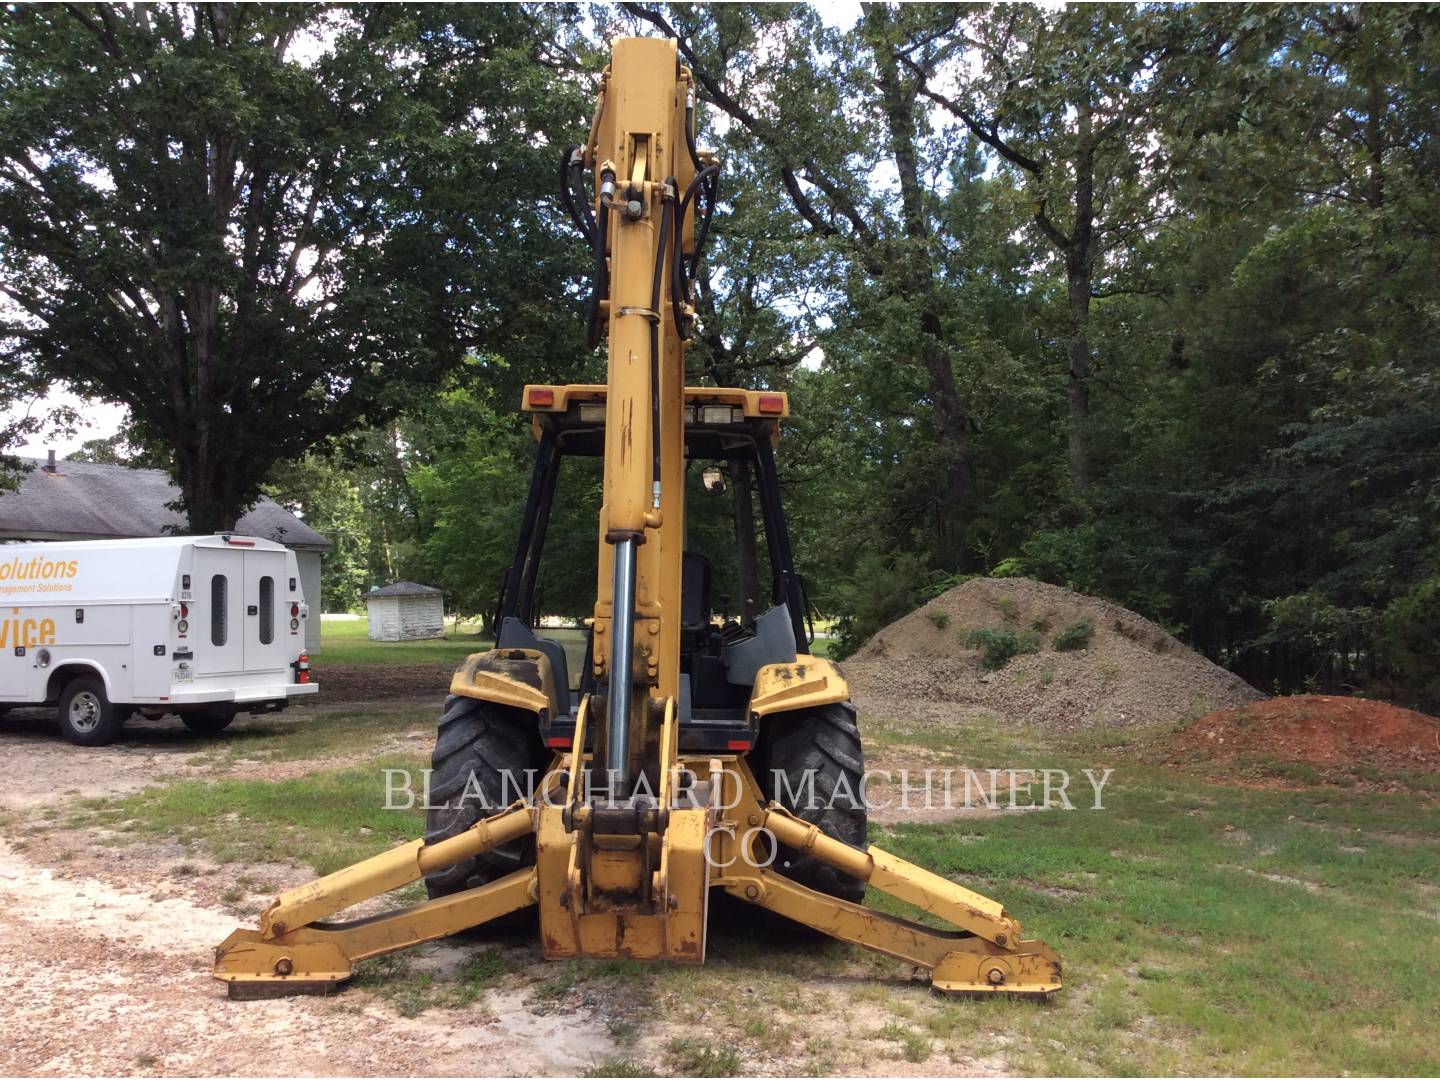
695,574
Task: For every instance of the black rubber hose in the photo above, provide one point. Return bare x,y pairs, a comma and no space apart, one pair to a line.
661,250
586,200
712,198
567,194
599,279
712,192
690,135
679,283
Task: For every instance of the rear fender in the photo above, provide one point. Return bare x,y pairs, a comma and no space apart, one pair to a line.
806,683
519,678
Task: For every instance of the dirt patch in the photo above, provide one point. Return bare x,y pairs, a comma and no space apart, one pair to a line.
109,980
384,682
1309,729
1129,673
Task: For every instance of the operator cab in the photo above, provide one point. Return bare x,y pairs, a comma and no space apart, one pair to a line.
737,551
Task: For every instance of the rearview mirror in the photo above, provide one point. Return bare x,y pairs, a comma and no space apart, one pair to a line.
714,480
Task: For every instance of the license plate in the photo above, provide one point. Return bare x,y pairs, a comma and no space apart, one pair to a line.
184,676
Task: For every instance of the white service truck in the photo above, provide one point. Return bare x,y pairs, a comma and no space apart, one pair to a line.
201,626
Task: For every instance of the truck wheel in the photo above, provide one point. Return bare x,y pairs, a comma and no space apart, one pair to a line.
818,749
482,754
87,716
210,721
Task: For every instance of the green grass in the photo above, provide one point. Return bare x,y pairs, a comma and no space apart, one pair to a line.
618,1067
325,820
411,991
1210,929
1204,929
344,641
695,1056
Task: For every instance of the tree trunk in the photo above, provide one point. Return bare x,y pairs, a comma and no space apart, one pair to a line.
917,272
1078,353
746,559
1078,262
209,505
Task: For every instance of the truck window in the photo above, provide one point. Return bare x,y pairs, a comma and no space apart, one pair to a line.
267,610
219,624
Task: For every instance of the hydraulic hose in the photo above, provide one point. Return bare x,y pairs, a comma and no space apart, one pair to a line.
599,277
679,281
667,215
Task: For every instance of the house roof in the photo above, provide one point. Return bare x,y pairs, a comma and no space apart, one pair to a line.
85,501
405,588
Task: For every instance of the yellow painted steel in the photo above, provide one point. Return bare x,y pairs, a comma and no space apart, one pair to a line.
521,678
809,682
632,877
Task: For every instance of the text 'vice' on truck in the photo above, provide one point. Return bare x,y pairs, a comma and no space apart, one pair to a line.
201,626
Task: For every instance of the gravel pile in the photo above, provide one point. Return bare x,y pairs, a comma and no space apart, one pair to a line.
1130,673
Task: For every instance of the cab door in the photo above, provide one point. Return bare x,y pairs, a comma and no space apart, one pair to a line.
217,623
267,611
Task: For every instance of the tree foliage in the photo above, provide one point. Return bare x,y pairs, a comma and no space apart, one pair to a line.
1136,299
259,226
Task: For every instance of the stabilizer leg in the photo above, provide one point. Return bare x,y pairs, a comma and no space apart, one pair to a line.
985,954
293,953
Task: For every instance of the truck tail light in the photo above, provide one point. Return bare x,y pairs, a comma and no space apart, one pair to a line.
184,611
541,397
294,611
302,668
772,404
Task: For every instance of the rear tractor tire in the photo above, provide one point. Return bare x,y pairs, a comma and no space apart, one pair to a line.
821,764
486,756
87,716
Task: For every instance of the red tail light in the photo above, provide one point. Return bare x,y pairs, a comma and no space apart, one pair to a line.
541,397
184,611
772,404
294,610
302,668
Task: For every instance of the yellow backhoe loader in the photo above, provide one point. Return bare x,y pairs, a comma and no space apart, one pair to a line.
690,752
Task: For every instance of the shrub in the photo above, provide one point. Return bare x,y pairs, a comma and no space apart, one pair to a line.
1075,636
999,647
940,619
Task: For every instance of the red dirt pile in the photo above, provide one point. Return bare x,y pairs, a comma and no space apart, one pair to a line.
1312,729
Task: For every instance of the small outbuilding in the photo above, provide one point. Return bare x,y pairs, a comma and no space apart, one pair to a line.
405,611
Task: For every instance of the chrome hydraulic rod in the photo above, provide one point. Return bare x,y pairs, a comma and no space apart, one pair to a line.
622,663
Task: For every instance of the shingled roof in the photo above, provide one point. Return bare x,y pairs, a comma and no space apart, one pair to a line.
85,501
406,588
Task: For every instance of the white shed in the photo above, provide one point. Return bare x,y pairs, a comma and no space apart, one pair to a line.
405,611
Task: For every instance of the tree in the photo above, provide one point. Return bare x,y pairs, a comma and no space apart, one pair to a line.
259,226
327,499
1084,102
821,140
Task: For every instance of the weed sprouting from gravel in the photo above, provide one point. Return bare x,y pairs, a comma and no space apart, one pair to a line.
1074,637
999,647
